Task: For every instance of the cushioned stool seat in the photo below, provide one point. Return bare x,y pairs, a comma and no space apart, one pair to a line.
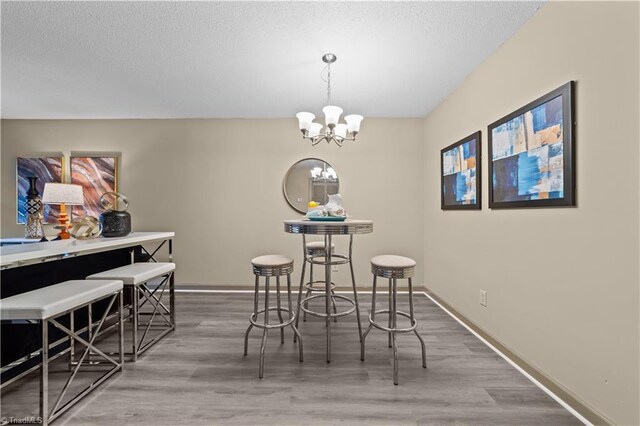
135,277
56,299
271,260
136,273
392,261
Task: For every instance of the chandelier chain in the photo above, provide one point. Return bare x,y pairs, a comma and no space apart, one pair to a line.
329,84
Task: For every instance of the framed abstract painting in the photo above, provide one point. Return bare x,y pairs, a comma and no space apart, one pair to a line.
460,174
97,175
47,168
531,154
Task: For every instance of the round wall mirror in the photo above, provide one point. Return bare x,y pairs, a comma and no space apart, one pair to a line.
310,179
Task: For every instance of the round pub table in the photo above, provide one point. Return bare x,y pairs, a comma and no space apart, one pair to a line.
328,229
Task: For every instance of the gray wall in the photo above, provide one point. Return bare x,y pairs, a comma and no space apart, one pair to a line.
218,185
562,283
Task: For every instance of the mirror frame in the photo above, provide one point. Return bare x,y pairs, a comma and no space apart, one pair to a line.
284,181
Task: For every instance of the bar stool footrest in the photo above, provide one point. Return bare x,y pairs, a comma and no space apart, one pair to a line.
254,318
413,326
336,259
324,315
321,286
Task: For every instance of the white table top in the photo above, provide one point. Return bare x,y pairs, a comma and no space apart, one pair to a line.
19,240
15,255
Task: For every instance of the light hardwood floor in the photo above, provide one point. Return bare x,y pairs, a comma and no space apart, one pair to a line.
198,376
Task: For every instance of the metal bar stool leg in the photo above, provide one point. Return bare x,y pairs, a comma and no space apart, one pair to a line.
172,299
308,292
295,330
304,264
373,317
393,309
44,374
264,333
390,313
89,327
120,328
255,313
353,283
279,308
72,345
135,302
424,351
335,307
327,271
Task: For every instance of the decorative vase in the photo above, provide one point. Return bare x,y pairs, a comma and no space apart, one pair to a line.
35,208
115,221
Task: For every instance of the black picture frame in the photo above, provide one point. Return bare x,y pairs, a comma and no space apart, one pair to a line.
448,199
512,173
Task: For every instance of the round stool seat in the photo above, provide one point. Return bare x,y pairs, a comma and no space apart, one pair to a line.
391,266
392,261
271,260
272,265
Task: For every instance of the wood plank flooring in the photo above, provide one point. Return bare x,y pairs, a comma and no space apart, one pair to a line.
198,376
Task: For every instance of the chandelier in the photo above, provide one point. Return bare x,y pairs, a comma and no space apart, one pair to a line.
334,131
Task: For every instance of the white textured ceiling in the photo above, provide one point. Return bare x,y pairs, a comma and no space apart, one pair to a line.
242,59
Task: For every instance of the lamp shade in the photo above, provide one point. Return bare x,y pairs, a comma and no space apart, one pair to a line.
341,130
304,120
314,130
331,114
62,193
353,122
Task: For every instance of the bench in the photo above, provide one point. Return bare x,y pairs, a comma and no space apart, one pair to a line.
136,277
47,305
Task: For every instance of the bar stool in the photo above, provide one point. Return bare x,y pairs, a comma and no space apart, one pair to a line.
393,267
314,249
271,266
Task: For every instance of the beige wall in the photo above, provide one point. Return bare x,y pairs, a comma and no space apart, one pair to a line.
218,185
563,284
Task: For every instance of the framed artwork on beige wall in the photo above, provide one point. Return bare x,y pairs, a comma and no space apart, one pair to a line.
46,168
460,174
531,154
97,174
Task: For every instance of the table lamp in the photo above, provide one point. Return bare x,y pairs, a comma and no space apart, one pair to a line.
63,194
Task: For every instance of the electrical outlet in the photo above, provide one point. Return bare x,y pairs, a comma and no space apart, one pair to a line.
483,298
